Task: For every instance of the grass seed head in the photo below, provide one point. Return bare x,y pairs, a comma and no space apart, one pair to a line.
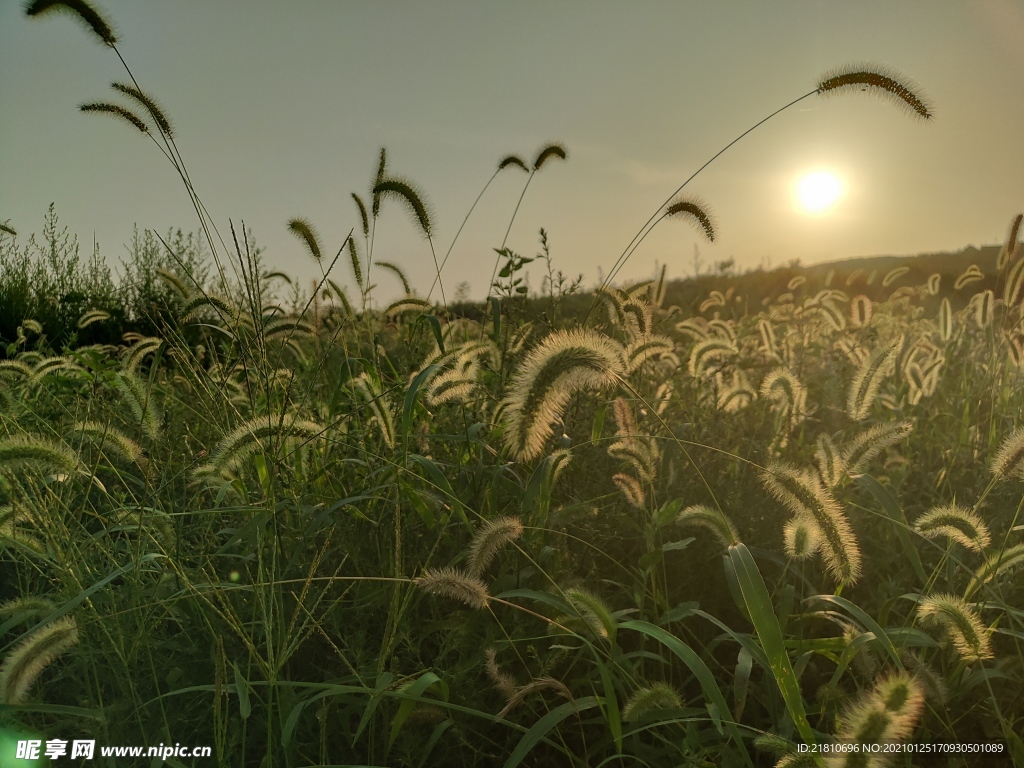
303,229
488,541
801,537
713,519
880,80
30,452
512,161
116,111
82,10
594,611
694,211
997,564
397,272
804,495
956,523
887,714
548,152
255,435
32,655
1009,459
651,697
505,684
150,105
364,218
631,489
868,444
970,637
408,193
564,363
869,378
534,686
450,582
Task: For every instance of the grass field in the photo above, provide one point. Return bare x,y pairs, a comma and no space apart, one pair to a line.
690,523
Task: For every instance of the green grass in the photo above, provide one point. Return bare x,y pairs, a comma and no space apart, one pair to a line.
303,530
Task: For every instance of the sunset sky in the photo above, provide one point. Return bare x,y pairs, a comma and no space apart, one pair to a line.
282,107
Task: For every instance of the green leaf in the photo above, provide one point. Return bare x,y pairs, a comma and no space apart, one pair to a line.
496,318
650,560
52,709
675,546
434,738
741,681
668,513
543,726
762,616
371,706
847,656
242,689
440,483
289,724
435,326
866,621
895,513
610,705
412,395
696,665
421,506
598,427
417,689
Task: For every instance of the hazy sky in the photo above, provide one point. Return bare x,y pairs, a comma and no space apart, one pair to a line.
282,107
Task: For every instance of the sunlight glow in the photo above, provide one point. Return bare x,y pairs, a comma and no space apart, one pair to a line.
819,191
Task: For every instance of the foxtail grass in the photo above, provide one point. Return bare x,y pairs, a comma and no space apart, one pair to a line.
397,272
1009,460
118,112
801,538
648,698
695,212
303,229
27,660
111,439
955,523
879,80
564,363
967,632
868,444
256,435
489,540
24,452
149,104
594,611
452,583
503,682
82,10
886,715
868,380
530,688
996,565
631,489
970,275
883,81
804,496
713,520
860,311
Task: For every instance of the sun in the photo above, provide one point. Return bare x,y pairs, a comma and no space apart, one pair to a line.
819,191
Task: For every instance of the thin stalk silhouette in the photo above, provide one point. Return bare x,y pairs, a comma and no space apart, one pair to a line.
552,150
508,161
888,83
